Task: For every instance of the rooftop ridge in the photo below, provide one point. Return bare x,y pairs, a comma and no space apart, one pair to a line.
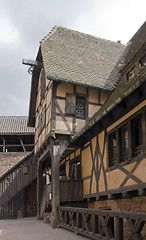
49,34
56,27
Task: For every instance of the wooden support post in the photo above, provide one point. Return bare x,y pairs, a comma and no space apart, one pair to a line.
4,145
119,229
55,157
39,187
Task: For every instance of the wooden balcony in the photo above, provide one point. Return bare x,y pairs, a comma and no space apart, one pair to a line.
71,190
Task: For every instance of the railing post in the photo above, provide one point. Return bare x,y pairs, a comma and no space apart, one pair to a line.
55,184
119,229
94,223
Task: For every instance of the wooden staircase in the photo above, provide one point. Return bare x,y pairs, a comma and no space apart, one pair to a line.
12,187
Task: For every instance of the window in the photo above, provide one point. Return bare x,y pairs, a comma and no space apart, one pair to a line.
126,141
75,168
123,132
137,135
75,105
112,148
80,107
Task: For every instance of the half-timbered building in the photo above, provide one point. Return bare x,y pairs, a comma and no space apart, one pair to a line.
87,104
69,84
111,152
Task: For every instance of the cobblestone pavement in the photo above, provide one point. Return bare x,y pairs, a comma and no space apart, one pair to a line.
32,229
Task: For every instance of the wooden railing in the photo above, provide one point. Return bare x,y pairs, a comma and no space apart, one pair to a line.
103,224
12,185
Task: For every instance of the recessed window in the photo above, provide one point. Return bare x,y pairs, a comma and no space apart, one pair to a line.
80,107
112,149
137,135
75,105
124,143
75,169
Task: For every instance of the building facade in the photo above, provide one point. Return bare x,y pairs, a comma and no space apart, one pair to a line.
88,107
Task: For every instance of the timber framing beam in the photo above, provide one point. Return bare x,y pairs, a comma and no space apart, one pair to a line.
32,63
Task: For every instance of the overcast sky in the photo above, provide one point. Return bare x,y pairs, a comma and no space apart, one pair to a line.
23,23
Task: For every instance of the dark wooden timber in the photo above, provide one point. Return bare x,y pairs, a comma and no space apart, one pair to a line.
102,224
12,187
71,190
32,63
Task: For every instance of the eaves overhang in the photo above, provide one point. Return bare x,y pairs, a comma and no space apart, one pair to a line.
110,105
57,79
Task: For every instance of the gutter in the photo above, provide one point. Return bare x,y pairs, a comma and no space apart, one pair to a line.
49,77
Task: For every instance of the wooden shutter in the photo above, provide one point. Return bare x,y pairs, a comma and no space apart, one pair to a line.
70,104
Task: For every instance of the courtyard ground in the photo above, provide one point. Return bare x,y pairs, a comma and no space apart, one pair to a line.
32,229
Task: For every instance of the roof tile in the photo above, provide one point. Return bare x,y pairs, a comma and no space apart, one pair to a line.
14,125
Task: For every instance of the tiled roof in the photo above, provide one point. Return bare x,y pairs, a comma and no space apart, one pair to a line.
14,125
123,89
80,58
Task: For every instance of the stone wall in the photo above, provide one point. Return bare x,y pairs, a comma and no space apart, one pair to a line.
8,160
135,204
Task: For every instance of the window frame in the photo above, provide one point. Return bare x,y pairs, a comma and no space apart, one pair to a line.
70,105
85,111
131,156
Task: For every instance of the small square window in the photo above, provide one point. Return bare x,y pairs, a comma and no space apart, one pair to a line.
80,107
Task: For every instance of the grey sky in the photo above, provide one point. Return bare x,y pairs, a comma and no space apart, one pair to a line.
23,23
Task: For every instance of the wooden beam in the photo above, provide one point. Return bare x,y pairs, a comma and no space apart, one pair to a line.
32,63
4,145
55,184
22,145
